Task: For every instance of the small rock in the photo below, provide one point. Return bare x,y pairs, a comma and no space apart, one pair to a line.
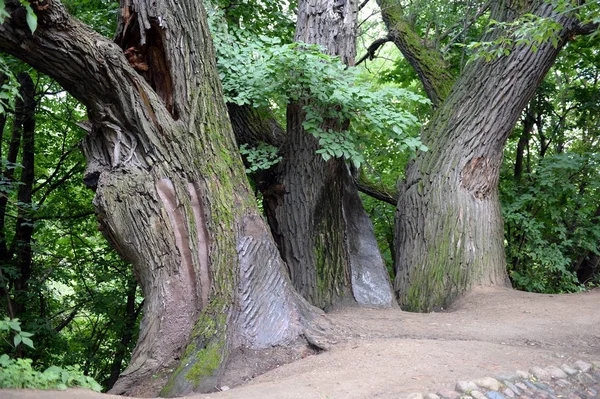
522,374
539,373
563,383
555,372
415,395
522,386
568,369
224,388
494,395
465,386
592,391
583,366
449,394
544,387
530,385
478,395
512,387
596,364
489,383
431,396
508,377
508,393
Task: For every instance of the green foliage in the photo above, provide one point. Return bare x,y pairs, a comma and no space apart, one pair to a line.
262,157
529,30
19,373
532,30
19,337
30,17
264,72
100,15
549,222
9,89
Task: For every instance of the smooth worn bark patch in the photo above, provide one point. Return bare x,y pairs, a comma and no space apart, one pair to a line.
479,177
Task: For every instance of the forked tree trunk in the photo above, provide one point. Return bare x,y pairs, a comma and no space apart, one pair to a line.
171,193
449,227
324,234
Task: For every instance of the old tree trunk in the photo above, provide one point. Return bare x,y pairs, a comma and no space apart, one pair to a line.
171,193
323,232
449,229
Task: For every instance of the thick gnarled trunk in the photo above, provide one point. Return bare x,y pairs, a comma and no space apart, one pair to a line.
171,193
317,216
449,226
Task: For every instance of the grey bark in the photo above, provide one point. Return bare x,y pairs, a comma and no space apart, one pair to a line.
171,193
322,229
449,226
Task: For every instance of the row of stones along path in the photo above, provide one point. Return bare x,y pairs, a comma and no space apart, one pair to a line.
580,380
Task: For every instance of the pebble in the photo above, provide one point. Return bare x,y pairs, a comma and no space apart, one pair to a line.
465,386
579,380
478,395
449,394
494,395
568,369
563,383
488,383
521,386
522,374
512,387
539,373
583,366
555,372
543,387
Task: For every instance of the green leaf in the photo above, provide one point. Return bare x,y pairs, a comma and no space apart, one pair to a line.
28,342
31,17
17,340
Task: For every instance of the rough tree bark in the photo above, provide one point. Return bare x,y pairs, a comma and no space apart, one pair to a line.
317,217
449,229
171,194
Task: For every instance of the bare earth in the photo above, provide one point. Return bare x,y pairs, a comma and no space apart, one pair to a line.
390,353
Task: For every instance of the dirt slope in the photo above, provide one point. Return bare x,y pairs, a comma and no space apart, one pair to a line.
390,353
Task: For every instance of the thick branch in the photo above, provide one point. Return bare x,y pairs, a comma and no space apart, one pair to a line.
375,191
373,48
428,63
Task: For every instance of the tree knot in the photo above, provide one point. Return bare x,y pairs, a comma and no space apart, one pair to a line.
479,177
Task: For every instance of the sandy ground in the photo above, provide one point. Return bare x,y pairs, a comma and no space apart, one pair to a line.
390,353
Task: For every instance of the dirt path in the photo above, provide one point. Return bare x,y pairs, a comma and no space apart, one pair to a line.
390,353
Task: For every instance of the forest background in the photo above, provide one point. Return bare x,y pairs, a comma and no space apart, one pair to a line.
63,282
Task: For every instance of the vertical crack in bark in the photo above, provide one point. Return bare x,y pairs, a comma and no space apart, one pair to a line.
203,242
168,196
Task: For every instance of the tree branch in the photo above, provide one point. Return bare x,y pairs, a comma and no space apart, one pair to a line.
374,191
373,48
427,62
363,4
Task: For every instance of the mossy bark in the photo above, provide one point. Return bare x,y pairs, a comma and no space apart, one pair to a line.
428,62
321,228
449,227
171,192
